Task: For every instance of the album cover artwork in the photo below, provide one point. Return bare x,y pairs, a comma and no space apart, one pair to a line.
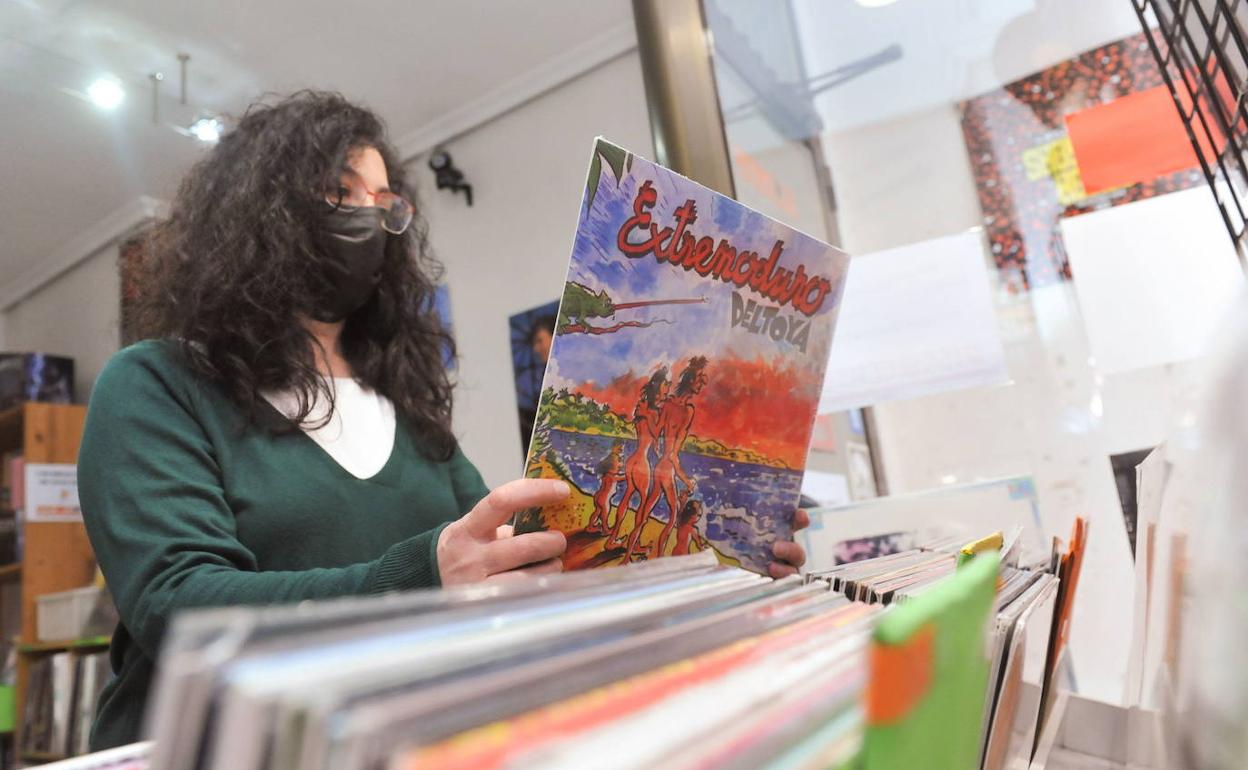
689,351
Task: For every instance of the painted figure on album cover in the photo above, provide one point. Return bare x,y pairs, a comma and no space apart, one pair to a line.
689,352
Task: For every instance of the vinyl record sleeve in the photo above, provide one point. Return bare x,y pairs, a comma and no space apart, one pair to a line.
684,376
433,715
1017,710
544,634
659,705
200,643
250,707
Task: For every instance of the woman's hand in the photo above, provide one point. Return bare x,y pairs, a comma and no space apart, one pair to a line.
479,546
789,555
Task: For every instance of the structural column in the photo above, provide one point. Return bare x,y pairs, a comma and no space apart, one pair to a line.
681,94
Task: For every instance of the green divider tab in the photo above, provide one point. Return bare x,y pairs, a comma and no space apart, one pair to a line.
929,672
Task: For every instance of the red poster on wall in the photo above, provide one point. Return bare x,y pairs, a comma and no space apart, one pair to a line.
1135,138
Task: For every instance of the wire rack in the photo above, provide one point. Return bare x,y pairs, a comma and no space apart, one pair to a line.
1202,50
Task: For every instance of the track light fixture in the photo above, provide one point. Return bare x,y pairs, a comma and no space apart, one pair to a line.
448,177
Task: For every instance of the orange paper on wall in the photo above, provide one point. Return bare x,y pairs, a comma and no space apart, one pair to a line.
1132,139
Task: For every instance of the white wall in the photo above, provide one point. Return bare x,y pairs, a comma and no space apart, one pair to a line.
509,251
75,315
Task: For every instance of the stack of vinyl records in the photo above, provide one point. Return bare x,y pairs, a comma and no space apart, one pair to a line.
676,662
1030,616
359,684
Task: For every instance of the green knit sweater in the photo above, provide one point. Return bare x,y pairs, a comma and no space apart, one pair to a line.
189,506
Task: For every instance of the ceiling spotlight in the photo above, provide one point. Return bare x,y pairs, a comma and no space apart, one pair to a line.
106,93
207,129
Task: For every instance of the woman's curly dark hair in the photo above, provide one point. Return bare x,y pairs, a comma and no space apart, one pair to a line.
235,267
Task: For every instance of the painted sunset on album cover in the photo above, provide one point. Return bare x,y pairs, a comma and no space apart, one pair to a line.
689,352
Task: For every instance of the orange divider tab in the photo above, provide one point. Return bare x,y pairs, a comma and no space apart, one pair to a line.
900,675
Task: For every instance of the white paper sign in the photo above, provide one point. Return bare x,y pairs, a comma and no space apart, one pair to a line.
1154,278
52,492
916,320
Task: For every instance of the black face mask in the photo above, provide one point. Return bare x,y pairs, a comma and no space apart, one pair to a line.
354,246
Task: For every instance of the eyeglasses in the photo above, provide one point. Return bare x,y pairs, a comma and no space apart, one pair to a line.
396,213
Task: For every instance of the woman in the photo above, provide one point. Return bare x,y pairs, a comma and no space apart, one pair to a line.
285,432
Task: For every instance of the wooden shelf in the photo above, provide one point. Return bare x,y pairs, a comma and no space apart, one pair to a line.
56,555
11,428
39,648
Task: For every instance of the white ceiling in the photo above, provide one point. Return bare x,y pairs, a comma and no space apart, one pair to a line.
69,166
429,67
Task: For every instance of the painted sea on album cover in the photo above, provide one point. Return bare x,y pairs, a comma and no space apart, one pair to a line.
689,352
